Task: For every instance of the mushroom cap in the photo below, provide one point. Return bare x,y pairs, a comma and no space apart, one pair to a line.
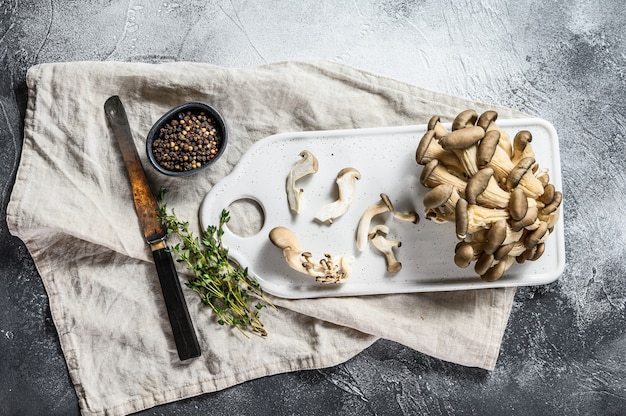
486,119
540,249
529,218
461,219
552,206
534,237
495,236
496,271
477,184
487,147
484,262
464,119
463,138
463,254
548,194
284,238
518,204
503,251
350,172
521,139
519,171
427,138
427,171
437,196
385,199
433,122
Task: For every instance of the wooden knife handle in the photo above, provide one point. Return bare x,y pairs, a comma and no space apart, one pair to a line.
182,326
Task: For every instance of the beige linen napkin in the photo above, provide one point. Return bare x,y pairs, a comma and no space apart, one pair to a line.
71,205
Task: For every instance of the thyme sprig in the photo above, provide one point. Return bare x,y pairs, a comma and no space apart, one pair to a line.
220,283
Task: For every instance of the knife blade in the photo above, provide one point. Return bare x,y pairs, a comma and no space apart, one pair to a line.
154,233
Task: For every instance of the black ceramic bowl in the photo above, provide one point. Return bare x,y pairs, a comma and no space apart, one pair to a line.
187,139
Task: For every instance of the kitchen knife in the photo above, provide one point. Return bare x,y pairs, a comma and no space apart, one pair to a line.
154,233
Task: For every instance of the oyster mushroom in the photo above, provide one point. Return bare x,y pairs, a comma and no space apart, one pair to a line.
305,166
346,179
386,247
518,205
383,205
487,148
329,269
496,271
430,149
486,119
503,208
505,139
471,218
464,143
521,146
465,253
440,203
435,124
464,119
434,174
410,216
482,188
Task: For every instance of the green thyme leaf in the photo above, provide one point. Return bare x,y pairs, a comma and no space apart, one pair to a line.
228,289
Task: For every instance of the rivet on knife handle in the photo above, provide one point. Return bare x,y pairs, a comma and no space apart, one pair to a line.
154,233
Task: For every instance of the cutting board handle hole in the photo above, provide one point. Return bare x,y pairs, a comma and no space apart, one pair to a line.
247,217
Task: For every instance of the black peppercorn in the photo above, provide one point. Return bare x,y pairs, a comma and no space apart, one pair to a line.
183,143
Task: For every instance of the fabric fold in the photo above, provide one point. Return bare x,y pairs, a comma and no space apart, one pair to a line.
71,206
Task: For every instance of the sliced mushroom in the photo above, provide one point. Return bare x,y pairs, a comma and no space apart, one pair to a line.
378,229
383,205
410,216
328,270
386,247
346,179
305,166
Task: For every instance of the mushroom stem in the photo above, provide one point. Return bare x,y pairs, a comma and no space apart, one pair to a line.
383,205
305,166
434,174
346,179
429,149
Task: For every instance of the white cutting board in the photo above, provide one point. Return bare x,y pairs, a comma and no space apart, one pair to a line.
386,159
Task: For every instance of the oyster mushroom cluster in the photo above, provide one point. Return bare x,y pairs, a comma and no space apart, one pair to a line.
491,188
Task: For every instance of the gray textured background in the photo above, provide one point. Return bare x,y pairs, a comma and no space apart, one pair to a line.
564,351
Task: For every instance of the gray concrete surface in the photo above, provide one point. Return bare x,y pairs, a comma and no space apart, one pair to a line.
564,352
